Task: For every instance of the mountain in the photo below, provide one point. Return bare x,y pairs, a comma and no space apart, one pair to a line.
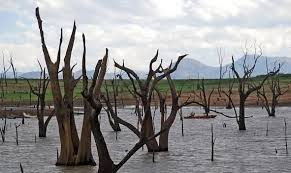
190,68
261,64
30,75
108,75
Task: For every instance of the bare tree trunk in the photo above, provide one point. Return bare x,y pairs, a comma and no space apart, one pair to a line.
115,94
152,145
206,110
106,164
3,130
273,107
212,143
40,107
13,69
63,103
144,90
16,131
111,112
246,86
167,124
41,129
241,120
92,96
2,87
164,137
228,106
203,97
84,156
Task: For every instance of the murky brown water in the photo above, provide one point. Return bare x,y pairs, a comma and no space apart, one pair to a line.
235,151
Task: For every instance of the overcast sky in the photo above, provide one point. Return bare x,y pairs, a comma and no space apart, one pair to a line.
134,29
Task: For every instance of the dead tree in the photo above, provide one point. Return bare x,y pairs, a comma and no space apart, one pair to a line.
110,109
221,76
16,132
144,90
40,92
3,129
246,85
274,86
204,99
167,121
182,121
71,146
13,69
176,105
286,136
84,155
229,91
22,121
162,105
106,164
212,143
5,70
2,86
21,168
221,71
3,77
138,112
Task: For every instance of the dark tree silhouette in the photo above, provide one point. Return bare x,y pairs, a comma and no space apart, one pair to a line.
40,92
246,84
274,86
92,95
144,90
71,147
203,97
110,109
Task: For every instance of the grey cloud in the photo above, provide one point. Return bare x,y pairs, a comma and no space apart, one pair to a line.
133,30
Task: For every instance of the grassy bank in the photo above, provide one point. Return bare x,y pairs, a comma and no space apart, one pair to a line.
20,92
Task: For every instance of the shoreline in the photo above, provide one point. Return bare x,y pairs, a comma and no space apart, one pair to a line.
13,112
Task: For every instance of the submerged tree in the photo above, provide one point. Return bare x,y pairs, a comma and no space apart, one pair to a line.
228,92
204,98
138,110
92,95
168,120
40,92
110,109
13,69
3,77
274,86
71,146
221,70
144,90
5,70
247,85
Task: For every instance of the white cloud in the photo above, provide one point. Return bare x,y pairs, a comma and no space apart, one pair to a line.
211,10
134,30
166,8
50,3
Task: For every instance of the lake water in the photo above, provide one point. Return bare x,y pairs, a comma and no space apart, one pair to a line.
235,151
